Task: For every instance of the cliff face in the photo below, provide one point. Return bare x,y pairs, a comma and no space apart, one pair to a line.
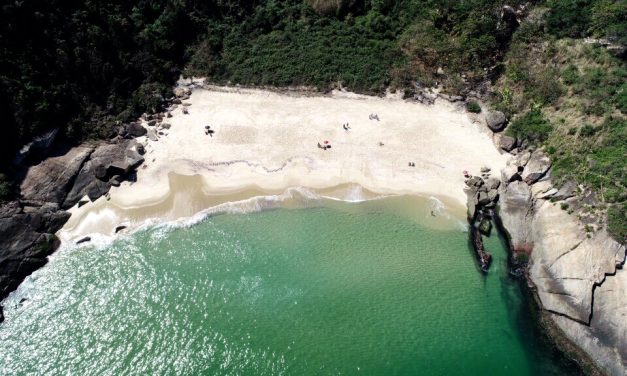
576,273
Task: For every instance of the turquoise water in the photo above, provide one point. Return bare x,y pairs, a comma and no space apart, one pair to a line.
335,289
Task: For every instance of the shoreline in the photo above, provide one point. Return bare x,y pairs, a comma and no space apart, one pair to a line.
265,143
105,216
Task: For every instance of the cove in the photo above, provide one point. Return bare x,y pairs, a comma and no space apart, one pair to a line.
373,288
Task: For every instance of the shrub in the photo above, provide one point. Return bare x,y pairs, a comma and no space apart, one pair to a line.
617,222
570,75
568,18
587,130
7,190
531,126
473,107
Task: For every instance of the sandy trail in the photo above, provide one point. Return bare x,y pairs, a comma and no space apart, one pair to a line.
267,142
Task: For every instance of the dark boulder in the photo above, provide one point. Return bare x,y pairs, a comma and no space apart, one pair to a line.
26,240
135,130
84,240
140,149
507,143
100,171
496,121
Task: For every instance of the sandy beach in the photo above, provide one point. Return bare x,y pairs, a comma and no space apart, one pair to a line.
265,142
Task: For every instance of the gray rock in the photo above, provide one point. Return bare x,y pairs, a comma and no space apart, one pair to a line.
135,130
507,143
516,208
493,183
474,181
496,121
166,125
152,123
483,198
50,180
548,194
105,162
493,195
565,265
182,91
536,168
568,190
152,135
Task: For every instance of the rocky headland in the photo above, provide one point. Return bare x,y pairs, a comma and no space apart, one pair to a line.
559,243
48,187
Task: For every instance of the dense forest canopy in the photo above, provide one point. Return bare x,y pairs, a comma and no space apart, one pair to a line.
82,66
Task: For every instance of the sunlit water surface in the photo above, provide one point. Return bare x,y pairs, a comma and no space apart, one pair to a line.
334,288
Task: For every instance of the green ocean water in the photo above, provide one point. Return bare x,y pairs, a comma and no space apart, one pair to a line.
332,289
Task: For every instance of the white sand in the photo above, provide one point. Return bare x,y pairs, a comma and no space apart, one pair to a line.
266,141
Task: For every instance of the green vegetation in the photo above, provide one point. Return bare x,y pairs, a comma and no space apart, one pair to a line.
576,94
531,126
6,188
82,67
617,221
473,107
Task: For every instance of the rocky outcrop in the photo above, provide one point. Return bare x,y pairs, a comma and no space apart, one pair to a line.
108,165
576,273
26,239
27,226
50,180
482,195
